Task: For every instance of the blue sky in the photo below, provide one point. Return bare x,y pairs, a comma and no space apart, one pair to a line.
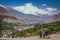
38,3
41,5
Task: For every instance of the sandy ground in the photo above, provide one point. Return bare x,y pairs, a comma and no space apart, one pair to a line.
51,37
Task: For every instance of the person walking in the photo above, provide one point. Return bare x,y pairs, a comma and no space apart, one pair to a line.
42,33
46,33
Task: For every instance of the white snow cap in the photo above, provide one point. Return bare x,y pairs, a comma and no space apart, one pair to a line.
3,6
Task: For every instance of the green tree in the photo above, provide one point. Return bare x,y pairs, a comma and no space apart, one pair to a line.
1,20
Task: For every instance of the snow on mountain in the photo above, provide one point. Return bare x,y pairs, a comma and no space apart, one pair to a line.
28,18
29,8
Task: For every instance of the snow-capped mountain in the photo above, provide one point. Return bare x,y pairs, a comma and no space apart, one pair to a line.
28,18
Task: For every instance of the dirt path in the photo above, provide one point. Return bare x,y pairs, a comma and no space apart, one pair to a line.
37,38
52,37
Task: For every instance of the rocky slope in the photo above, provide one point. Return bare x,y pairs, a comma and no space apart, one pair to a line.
8,17
54,18
28,18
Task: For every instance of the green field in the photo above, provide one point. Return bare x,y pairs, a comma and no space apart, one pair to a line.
52,28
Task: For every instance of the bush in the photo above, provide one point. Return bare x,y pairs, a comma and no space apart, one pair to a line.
52,27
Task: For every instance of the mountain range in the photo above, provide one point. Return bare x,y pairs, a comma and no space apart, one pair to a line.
28,18
11,15
54,18
8,17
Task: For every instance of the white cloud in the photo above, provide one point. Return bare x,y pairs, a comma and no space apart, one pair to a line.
44,4
30,9
51,9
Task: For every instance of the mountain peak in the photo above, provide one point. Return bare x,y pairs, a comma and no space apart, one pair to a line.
2,6
3,11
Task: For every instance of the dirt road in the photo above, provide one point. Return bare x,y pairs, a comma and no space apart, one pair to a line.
52,37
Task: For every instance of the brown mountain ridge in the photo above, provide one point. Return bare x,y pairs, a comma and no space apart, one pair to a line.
54,18
7,17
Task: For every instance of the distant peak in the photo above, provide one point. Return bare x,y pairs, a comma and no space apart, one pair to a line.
2,6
